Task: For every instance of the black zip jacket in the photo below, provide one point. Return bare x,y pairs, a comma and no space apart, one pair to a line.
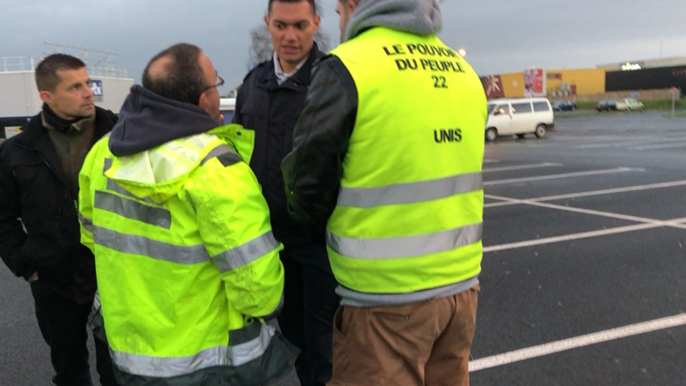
33,187
313,170
272,110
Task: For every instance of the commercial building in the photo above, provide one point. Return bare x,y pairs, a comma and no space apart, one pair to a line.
644,79
635,65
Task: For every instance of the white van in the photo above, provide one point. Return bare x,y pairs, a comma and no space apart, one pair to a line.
520,117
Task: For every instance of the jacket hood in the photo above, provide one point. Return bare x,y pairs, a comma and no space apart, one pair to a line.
419,17
147,120
154,175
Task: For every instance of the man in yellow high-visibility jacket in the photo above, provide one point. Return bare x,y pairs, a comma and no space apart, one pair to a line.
388,155
187,266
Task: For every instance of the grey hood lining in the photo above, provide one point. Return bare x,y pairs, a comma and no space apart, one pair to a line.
419,17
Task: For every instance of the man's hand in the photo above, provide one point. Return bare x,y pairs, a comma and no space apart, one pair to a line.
33,277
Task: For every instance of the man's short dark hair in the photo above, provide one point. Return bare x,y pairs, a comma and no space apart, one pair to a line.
182,78
313,6
46,71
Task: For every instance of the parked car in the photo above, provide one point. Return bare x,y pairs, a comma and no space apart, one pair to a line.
564,106
629,104
606,105
519,117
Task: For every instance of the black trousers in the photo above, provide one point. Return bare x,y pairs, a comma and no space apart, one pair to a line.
62,323
309,308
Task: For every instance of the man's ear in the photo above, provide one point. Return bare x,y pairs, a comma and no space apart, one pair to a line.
351,6
202,102
45,96
266,21
317,20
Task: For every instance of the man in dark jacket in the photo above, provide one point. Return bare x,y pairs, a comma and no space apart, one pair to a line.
39,227
270,102
401,196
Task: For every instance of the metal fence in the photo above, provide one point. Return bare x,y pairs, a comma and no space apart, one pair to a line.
17,63
25,63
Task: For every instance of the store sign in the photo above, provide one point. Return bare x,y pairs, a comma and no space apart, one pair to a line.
631,67
98,91
534,82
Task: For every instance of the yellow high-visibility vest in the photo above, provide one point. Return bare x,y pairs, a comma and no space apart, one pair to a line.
186,261
410,210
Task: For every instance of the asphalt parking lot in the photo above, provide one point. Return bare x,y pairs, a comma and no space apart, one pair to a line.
584,271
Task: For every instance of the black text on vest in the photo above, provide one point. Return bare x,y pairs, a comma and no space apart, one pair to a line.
448,135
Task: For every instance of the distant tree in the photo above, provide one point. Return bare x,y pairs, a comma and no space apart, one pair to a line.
260,46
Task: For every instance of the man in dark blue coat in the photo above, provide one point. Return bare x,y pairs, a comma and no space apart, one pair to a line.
270,102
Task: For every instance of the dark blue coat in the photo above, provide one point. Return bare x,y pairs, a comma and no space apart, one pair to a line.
272,110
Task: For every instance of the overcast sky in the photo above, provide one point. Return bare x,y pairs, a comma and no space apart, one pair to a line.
499,35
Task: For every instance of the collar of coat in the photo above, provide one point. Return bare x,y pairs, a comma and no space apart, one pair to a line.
35,137
298,82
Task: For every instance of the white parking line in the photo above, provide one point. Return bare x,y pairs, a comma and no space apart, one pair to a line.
596,145
647,223
673,223
497,204
630,141
575,236
584,211
521,167
615,143
507,201
491,161
576,342
565,175
662,146
612,191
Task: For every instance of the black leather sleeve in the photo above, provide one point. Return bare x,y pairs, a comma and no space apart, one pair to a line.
12,235
313,170
240,98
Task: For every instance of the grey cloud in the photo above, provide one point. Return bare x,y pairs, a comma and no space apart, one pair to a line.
500,36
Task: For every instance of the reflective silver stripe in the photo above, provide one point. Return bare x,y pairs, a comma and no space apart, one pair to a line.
253,349
410,192
132,209
362,299
87,223
95,320
166,367
225,154
107,165
158,250
246,253
115,187
410,246
96,301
